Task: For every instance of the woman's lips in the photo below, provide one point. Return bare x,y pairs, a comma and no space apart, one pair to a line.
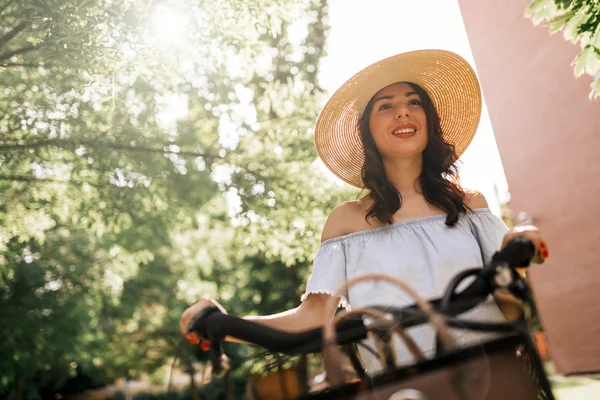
404,131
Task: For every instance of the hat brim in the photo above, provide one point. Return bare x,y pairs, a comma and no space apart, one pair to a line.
448,79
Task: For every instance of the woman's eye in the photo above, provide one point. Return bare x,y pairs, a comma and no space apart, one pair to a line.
384,107
414,102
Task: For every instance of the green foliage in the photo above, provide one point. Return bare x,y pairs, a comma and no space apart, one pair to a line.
580,22
117,211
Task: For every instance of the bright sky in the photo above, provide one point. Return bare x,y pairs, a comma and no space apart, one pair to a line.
363,32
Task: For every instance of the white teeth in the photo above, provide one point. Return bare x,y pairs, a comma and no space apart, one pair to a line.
405,130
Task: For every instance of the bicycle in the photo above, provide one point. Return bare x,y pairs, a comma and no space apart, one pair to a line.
500,368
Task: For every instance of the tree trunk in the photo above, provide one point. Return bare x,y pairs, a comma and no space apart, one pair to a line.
18,388
193,385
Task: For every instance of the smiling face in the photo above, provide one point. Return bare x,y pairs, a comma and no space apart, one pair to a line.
397,121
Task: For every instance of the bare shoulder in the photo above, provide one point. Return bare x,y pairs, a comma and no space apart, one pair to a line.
345,218
474,199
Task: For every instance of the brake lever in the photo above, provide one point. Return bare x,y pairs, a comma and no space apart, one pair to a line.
219,361
505,277
519,252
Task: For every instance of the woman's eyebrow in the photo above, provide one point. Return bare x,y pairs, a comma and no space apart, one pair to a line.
390,97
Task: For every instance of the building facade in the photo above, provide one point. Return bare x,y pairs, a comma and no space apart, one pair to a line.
548,135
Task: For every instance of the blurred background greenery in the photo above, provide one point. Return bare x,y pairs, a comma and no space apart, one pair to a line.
150,153
153,151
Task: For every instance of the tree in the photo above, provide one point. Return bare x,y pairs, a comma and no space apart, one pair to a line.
580,22
112,216
90,181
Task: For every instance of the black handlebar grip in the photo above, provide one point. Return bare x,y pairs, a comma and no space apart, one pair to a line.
198,323
518,253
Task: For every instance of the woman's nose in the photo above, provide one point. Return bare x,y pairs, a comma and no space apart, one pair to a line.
402,112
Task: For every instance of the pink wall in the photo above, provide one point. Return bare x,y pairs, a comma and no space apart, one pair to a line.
548,134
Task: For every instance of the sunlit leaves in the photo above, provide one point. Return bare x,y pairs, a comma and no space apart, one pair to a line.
138,173
580,22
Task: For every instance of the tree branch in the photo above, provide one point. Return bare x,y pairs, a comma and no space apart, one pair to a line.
13,32
22,179
26,65
22,50
95,144
142,149
32,179
26,146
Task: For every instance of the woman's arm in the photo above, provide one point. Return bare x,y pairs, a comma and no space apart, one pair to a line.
311,312
309,315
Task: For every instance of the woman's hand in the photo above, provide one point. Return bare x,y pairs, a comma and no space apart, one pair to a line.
510,306
193,310
532,233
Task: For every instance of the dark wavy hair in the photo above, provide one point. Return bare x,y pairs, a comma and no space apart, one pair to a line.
439,178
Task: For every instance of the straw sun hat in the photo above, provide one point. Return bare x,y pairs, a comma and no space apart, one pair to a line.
445,76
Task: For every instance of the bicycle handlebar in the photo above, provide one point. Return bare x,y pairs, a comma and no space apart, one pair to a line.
275,340
518,253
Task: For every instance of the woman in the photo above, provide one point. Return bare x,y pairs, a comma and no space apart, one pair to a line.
396,130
